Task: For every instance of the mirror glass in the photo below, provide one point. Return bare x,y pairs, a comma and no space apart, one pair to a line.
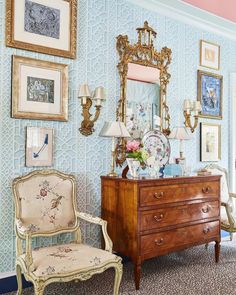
143,99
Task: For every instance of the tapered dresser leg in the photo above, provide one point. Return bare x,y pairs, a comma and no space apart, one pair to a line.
137,274
217,251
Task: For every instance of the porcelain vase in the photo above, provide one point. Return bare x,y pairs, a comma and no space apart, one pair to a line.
134,166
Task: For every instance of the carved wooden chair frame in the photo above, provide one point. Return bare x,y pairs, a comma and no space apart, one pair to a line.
230,227
26,265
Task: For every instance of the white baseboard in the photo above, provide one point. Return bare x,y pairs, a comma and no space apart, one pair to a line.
4,275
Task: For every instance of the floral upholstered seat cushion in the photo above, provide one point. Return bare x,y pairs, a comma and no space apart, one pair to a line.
68,258
46,204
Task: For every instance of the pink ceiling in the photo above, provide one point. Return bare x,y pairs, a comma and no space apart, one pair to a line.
222,8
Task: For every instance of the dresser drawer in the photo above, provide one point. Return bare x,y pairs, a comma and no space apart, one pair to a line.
155,195
153,219
167,240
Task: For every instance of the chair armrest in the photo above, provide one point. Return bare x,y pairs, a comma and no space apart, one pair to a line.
229,214
26,232
232,195
99,221
23,230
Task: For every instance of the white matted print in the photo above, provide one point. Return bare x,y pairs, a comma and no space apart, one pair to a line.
42,26
210,142
39,89
39,146
209,55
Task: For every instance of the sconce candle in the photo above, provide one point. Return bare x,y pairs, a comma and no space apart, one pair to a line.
99,95
86,102
84,93
187,104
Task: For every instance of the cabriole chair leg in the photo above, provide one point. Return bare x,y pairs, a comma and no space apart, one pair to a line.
118,277
19,280
38,288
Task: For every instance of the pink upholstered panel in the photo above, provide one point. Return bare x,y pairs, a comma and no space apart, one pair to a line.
143,73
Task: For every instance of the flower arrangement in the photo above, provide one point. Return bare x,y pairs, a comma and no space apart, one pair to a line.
134,149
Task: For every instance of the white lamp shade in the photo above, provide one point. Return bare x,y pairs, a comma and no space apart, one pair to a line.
99,93
180,133
114,129
84,91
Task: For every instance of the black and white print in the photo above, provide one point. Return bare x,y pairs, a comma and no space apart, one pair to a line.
40,90
42,20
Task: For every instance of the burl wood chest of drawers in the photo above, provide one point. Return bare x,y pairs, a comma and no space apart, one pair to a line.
153,217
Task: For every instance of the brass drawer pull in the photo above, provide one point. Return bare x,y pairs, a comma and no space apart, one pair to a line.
206,230
158,218
158,195
159,242
206,209
206,190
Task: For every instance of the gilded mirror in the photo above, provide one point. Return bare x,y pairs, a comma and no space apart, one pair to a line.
143,80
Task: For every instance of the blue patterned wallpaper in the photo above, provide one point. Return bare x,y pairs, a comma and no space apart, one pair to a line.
99,22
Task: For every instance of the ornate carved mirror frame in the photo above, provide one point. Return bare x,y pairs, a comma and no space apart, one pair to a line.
142,53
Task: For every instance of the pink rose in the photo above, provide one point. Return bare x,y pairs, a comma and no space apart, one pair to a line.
132,146
43,192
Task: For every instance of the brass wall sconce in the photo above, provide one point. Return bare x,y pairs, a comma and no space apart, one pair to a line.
87,125
191,108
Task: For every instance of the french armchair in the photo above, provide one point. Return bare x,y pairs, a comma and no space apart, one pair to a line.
228,214
45,205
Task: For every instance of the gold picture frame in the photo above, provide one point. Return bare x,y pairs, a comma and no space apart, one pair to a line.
210,142
210,94
209,55
57,38
39,89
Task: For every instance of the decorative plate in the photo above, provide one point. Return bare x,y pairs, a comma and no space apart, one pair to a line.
157,145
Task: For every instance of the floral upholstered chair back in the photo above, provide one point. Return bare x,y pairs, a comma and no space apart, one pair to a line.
45,202
224,187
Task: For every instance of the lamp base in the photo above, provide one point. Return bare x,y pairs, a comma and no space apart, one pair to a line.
112,174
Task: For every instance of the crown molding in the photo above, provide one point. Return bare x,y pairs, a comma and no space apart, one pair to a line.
191,15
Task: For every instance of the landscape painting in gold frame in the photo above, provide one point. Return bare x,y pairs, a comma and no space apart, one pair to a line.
42,26
39,89
209,55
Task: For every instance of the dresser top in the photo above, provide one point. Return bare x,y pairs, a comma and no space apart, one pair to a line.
169,179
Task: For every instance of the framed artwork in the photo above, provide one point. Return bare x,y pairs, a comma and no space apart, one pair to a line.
209,55
210,88
39,89
39,146
210,142
43,26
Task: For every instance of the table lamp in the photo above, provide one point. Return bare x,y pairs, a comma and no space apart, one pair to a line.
180,133
114,130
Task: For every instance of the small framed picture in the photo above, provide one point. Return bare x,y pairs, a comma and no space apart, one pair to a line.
39,146
209,55
210,142
39,89
210,87
43,26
